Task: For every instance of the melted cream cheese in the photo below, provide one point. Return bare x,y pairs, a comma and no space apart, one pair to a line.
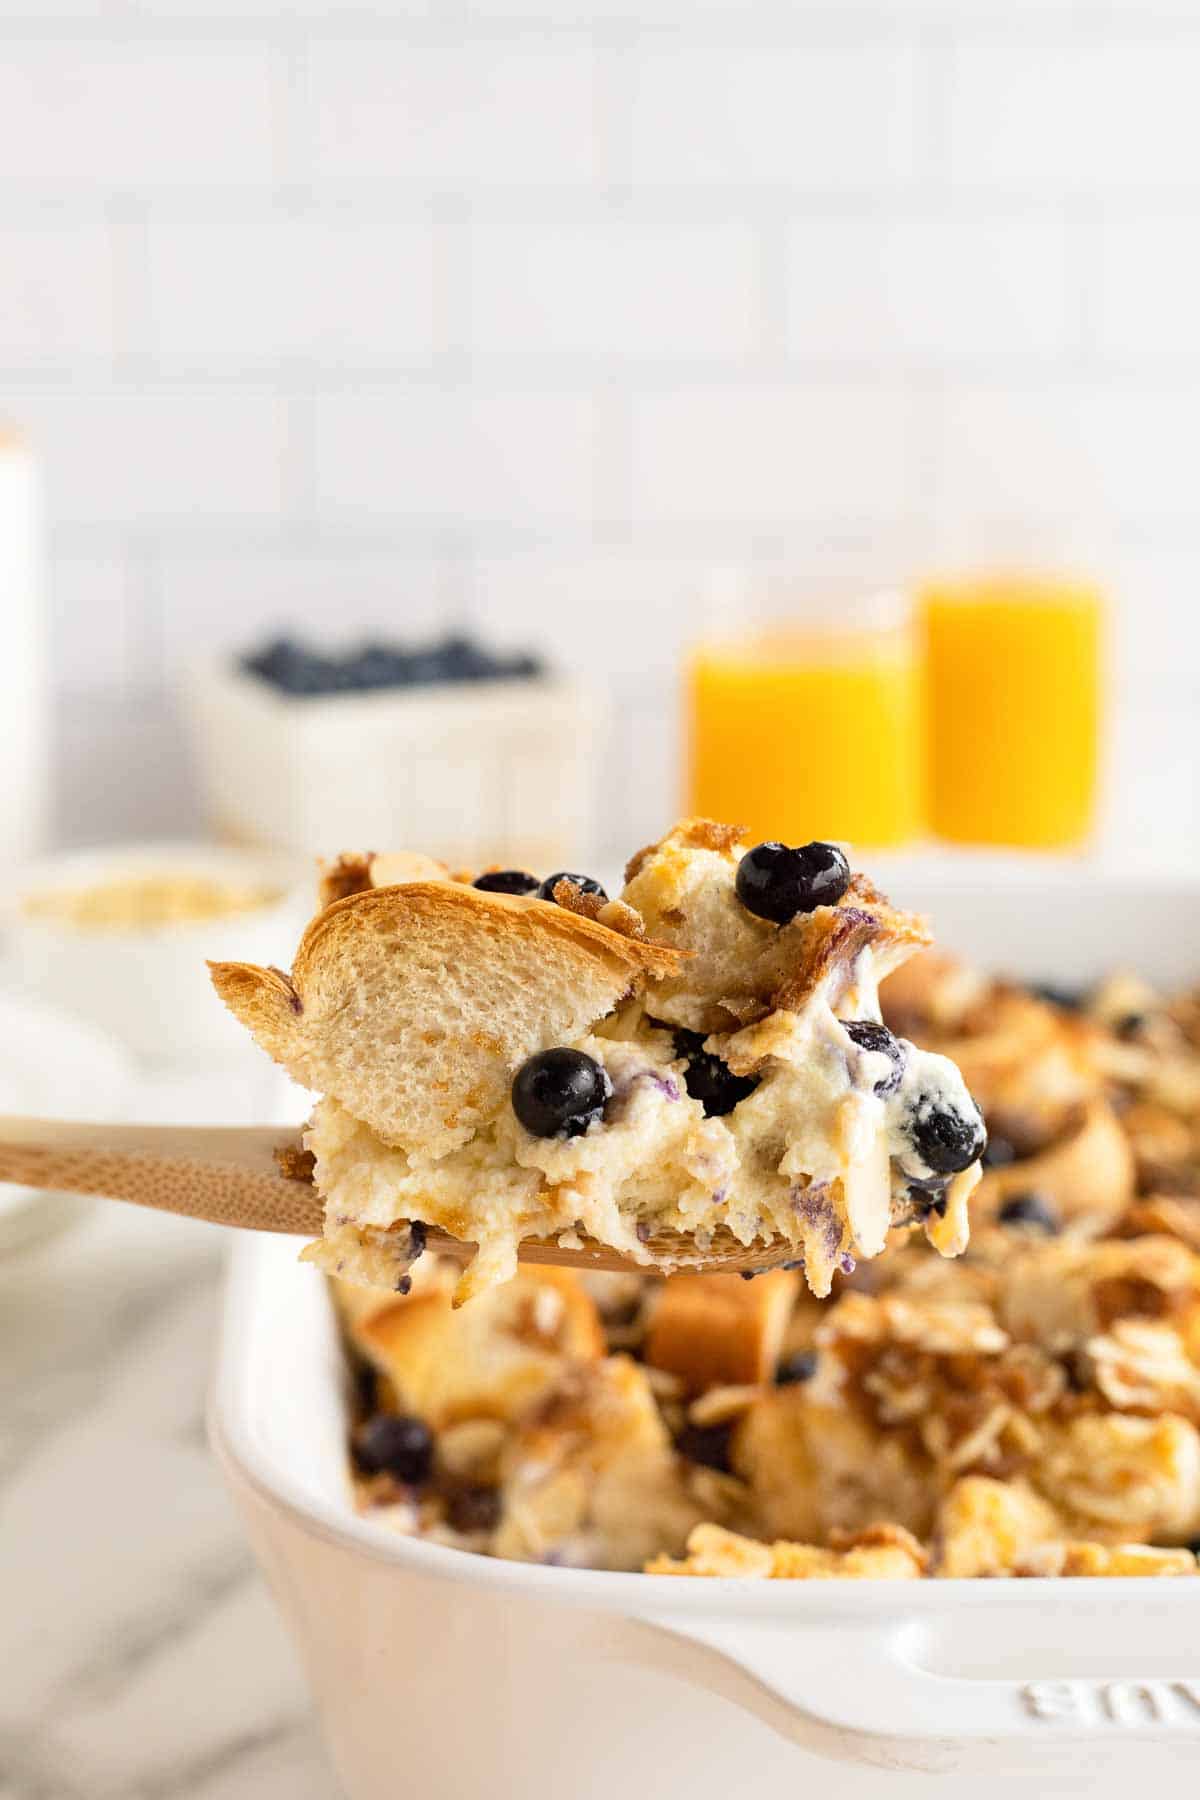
813,1156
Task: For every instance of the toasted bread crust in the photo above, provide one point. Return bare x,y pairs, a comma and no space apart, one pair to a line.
387,1006
862,917
349,873
518,915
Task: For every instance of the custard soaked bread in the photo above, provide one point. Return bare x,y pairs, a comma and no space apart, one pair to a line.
699,1061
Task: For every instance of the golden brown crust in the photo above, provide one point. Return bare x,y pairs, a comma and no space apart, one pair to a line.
882,1552
349,873
353,872
611,913
1169,1215
835,935
493,1359
718,1330
400,909
1087,1173
294,1162
368,1017
690,834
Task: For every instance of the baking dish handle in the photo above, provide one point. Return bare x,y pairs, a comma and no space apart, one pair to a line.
888,1681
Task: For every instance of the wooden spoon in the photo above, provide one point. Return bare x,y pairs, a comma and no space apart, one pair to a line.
234,1175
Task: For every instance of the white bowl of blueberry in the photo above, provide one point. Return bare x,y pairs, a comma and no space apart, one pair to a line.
476,755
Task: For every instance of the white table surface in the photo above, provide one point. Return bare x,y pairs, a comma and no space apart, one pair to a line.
142,1657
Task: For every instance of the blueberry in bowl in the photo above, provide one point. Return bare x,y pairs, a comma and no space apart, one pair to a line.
299,670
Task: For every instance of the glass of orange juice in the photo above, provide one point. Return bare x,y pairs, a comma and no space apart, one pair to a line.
1013,680
810,728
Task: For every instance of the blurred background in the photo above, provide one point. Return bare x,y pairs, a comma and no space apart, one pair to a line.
548,323
576,414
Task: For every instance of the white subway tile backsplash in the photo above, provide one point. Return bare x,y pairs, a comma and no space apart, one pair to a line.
260,289
195,461
122,768
1152,804
56,293
1143,442
1155,623
642,791
148,116
434,117
1144,271
1072,464
1075,115
773,455
810,116
215,603
593,327
931,283
607,614
452,459
97,623
619,287
1011,461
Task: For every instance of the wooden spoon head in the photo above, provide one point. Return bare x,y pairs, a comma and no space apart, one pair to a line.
672,1253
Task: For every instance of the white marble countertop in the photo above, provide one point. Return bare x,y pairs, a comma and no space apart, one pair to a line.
142,1656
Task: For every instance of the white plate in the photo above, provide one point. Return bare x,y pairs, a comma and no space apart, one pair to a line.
52,1066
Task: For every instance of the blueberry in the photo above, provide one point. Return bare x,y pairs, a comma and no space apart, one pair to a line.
775,882
426,667
870,1036
800,1366
366,1387
521,667
947,1140
275,660
584,882
1067,999
998,1152
1031,1211
708,1079
395,1444
706,1444
927,1199
464,661
473,1507
379,666
290,667
506,881
558,1093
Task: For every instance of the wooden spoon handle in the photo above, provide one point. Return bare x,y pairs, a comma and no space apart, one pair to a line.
231,1175
227,1174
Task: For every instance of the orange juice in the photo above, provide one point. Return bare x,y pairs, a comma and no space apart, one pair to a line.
1013,684
801,734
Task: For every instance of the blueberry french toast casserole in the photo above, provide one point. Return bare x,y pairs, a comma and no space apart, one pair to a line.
1028,1405
697,1066
1032,1408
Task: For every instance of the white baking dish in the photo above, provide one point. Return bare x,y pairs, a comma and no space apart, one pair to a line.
445,1674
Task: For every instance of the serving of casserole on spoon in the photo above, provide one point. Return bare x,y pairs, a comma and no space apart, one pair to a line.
693,1075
